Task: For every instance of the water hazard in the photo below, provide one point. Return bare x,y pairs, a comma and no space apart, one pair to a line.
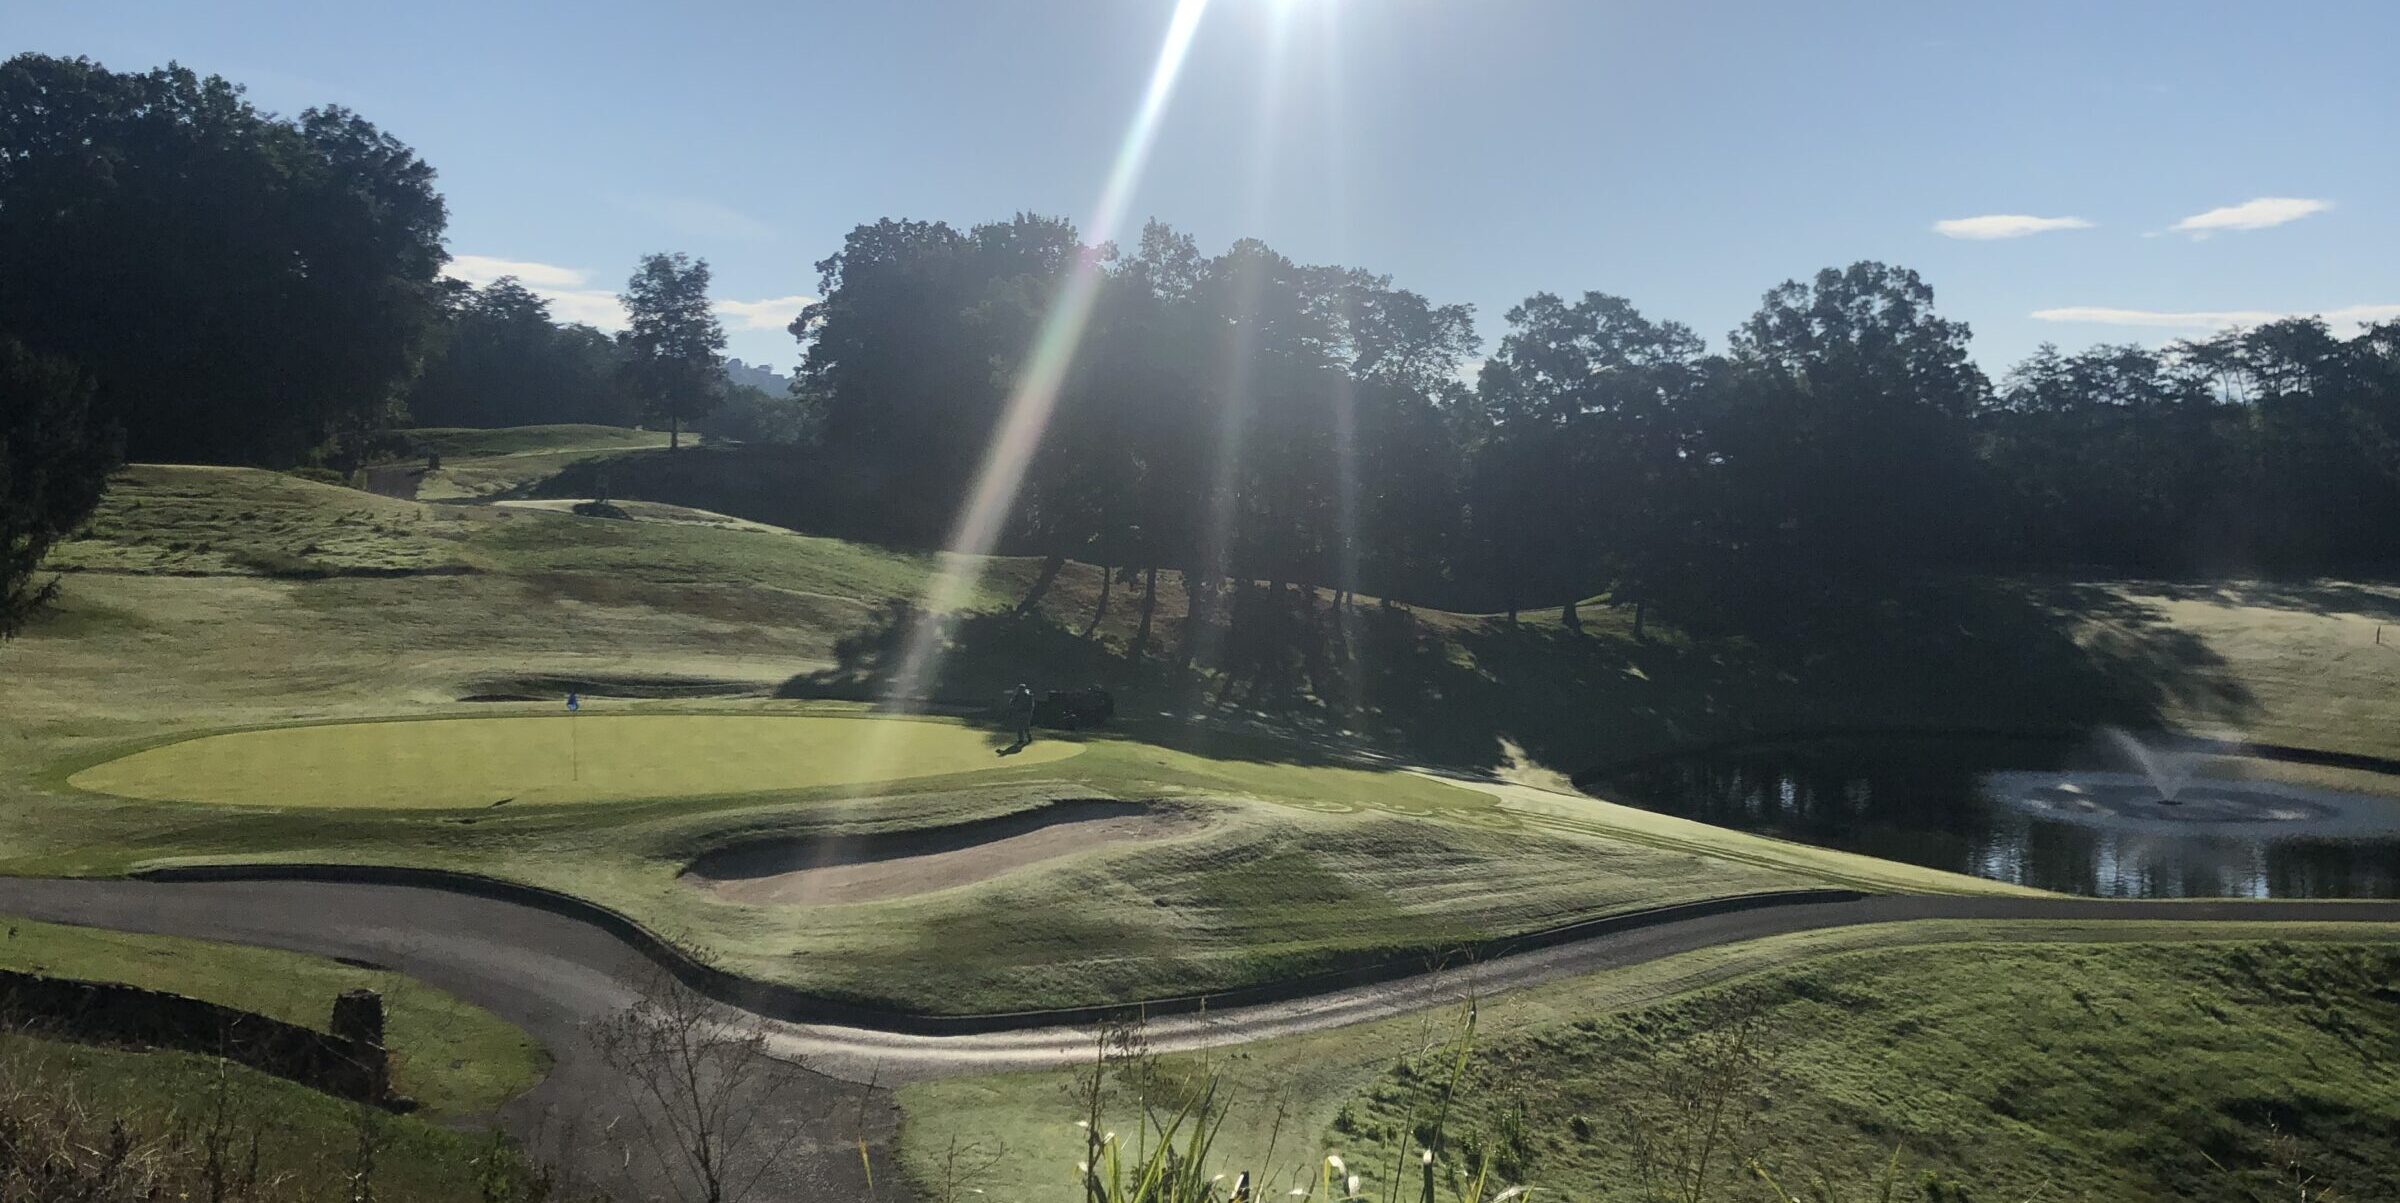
2106,817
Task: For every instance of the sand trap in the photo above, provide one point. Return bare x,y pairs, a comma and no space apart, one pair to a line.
822,871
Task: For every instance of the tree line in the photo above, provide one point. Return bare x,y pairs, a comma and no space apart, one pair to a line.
207,282
1243,417
186,278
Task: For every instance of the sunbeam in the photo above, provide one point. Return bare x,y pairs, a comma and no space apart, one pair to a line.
1027,413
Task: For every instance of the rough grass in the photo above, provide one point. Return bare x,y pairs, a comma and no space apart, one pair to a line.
167,1102
182,520
2143,1072
2020,1060
455,1059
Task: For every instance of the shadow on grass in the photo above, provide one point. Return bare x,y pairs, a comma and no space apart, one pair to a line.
1953,655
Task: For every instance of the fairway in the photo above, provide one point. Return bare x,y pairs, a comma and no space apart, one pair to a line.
535,760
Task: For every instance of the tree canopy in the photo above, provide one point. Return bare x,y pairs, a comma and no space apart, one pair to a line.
239,285
673,344
55,456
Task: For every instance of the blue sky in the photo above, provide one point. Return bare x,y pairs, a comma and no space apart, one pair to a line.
2218,161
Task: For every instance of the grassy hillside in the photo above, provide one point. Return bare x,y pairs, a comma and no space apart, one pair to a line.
153,1117
2003,1061
207,600
455,1059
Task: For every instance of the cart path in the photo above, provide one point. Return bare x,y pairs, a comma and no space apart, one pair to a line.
552,974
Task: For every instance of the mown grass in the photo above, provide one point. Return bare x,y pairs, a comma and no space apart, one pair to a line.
489,761
467,442
2005,1061
455,1059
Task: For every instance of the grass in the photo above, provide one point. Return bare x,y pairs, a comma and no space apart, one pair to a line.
468,442
455,1059
68,1101
2020,1060
209,601
546,760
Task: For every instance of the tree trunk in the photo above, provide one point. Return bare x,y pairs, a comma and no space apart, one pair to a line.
674,431
1196,614
1041,583
1569,615
1638,608
1512,611
1141,631
1108,578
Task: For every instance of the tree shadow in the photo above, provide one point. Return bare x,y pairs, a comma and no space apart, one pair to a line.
2366,599
1471,692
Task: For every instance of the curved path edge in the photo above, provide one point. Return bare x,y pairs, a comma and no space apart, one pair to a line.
791,1004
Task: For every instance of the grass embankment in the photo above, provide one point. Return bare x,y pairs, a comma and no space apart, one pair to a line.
2050,1061
216,611
152,1115
455,1059
127,1118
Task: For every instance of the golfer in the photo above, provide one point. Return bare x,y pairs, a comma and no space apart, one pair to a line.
1020,712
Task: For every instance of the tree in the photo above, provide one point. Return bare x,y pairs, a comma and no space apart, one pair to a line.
713,1112
1839,440
54,462
1594,410
240,286
501,361
673,344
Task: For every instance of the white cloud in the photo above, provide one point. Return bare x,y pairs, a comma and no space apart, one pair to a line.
2211,319
2005,225
774,313
591,306
562,287
2256,214
480,270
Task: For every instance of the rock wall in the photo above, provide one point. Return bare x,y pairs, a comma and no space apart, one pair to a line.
352,1064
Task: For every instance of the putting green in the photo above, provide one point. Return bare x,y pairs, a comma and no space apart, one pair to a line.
534,760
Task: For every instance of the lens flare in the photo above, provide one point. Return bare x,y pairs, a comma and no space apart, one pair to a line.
959,570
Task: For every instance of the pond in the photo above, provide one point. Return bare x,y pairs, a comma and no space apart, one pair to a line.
2107,817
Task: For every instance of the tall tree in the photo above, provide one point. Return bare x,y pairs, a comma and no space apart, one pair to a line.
674,346
1841,438
241,286
55,456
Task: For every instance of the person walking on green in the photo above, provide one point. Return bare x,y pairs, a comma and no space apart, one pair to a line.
1020,712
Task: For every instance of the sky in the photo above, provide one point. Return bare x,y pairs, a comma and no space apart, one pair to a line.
2068,172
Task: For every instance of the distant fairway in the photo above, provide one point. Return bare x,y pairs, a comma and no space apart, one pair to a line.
464,762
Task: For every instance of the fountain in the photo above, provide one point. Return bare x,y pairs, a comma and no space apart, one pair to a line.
2166,787
2169,771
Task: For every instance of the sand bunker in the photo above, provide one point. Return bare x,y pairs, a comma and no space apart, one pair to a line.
829,870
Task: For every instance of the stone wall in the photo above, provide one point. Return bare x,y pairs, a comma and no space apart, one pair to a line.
352,1064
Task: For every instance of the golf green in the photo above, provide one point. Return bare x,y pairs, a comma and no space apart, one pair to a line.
545,759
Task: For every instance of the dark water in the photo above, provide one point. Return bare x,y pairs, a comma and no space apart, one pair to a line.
1926,801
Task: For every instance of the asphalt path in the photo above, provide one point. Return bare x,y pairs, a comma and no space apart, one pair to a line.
829,1093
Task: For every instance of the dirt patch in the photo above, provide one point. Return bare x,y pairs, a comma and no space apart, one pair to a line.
829,870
